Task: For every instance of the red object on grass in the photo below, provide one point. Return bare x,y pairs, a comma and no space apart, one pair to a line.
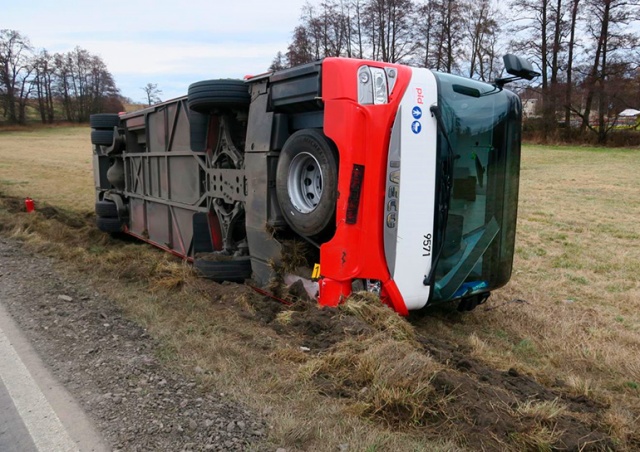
29,205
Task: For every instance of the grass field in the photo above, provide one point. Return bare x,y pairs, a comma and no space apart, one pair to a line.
52,165
552,361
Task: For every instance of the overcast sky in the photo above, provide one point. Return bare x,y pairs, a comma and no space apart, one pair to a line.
170,43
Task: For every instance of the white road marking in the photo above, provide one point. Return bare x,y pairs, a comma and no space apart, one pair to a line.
44,426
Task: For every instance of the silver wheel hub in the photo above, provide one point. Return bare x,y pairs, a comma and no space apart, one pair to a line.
304,182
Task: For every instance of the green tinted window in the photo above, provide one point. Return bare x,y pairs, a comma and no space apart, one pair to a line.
482,127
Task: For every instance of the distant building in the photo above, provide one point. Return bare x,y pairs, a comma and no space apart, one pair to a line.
530,108
629,117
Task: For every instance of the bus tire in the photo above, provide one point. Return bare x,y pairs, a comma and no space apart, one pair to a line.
209,95
106,209
307,182
104,121
110,225
236,270
102,137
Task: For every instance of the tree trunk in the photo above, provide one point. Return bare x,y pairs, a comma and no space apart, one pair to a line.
602,106
569,87
553,82
547,101
591,82
39,82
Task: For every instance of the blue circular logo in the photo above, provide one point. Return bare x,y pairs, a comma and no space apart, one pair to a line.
416,126
416,112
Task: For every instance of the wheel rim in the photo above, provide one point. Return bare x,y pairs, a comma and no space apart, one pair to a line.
304,182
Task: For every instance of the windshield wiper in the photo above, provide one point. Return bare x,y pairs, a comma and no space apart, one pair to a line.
444,193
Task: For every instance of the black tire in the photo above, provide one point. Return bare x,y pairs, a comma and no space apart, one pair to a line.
315,217
106,209
198,126
105,121
236,270
102,137
209,95
110,225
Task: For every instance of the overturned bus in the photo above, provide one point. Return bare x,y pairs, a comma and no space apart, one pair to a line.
399,180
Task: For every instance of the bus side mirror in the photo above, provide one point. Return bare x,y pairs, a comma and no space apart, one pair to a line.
519,67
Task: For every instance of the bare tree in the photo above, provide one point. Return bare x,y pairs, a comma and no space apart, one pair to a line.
570,49
378,29
300,50
43,81
424,28
355,27
85,85
326,30
612,43
584,49
533,39
152,93
333,24
15,69
481,23
390,29
447,34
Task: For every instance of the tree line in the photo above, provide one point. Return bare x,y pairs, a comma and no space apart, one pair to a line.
585,50
67,86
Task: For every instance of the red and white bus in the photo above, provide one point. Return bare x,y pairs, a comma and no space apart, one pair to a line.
399,180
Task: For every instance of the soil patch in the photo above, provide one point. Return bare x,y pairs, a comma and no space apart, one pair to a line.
492,407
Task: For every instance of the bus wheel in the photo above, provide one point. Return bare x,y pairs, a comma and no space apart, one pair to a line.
307,182
106,209
111,225
102,137
208,95
104,121
236,269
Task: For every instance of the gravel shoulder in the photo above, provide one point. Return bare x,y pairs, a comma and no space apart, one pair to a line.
112,366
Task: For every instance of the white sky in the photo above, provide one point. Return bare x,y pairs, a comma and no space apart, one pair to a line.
170,43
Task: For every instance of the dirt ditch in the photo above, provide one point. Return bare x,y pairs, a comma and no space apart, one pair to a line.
376,364
482,407
67,218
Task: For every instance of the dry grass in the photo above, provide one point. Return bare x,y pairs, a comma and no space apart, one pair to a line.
284,317
543,412
52,165
540,439
293,255
577,265
368,308
396,389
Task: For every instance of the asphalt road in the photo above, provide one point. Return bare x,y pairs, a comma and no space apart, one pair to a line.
37,414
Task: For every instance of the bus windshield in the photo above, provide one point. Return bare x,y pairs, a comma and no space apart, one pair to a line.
475,240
